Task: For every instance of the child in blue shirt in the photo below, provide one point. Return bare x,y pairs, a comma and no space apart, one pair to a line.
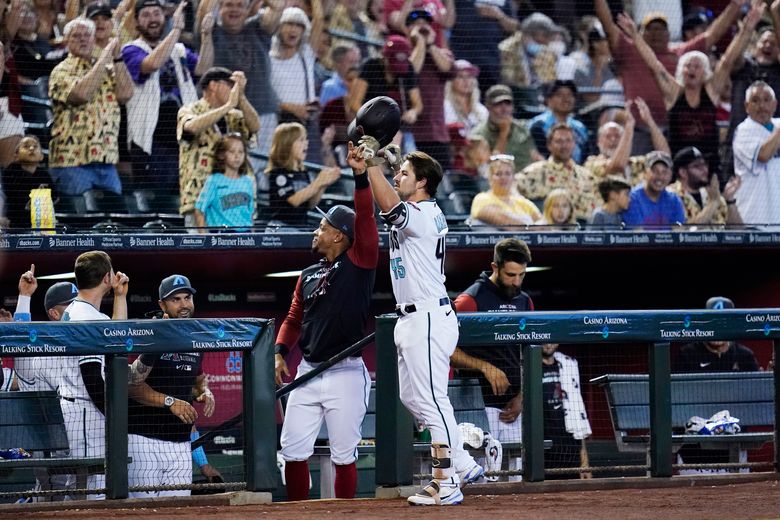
228,197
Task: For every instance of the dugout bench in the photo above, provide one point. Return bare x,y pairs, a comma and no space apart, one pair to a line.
34,421
747,396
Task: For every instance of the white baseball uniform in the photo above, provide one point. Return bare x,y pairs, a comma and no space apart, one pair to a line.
85,424
427,330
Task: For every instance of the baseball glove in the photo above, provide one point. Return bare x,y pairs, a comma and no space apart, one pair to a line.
392,154
371,148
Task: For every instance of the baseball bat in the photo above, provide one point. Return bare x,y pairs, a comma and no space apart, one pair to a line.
352,349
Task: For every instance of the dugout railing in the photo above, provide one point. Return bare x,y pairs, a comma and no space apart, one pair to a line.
656,329
118,339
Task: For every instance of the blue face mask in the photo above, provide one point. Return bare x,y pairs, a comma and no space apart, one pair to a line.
533,48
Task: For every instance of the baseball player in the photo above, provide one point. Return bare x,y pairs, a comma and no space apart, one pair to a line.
499,370
40,373
81,384
45,372
160,413
328,314
427,329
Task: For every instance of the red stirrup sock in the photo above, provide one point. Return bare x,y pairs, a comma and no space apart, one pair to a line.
297,475
346,480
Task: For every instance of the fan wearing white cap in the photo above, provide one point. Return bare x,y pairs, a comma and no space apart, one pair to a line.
292,71
329,312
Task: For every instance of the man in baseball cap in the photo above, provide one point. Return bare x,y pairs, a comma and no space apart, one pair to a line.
28,370
174,284
560,96
504,133
700,190
651,203
716,356
57,298
396,52
328,313
342,218
162,69
162,389
103,17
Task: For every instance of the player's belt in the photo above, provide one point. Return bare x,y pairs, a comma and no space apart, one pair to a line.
403,310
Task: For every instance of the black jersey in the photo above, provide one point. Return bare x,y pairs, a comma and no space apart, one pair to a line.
486,297
171,374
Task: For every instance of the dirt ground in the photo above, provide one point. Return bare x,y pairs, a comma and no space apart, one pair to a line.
757,500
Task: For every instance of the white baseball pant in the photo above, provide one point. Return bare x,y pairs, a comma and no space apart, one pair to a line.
425,340
86,429
158,463
339,396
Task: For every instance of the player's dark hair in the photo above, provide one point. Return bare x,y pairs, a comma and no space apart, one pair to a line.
221,148
511,250
90,269
428,168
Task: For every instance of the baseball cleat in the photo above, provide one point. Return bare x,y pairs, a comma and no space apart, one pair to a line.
471,475
438,493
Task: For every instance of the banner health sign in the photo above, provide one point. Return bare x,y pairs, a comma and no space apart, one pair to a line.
132,336
482,328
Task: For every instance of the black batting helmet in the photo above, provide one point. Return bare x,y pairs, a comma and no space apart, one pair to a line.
379,117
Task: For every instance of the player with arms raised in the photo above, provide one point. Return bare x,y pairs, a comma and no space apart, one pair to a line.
427,329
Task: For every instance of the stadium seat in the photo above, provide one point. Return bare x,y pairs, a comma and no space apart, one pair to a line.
101,201
109,226
36,110
148,201
71,205
461,201
162,226
453,182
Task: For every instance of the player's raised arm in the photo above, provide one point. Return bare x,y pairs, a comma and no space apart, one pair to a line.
365,249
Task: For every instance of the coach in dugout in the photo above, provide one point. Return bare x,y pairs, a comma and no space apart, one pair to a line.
160,412
328,314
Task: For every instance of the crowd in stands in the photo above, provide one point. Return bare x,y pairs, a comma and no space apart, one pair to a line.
560,113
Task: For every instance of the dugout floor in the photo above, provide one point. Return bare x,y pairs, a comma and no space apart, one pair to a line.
693,501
